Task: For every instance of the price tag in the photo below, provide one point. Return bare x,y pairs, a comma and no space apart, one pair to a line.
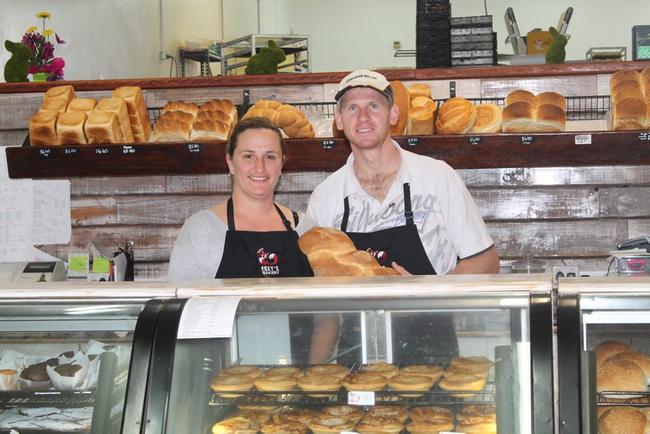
527,140
361,398
44,152
77,264
474,140
101,264
644,136
583,139
194,147
102,151
412,141
128,150
328,144
70,151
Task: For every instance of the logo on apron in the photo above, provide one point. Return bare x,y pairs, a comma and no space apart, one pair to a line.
268,262
380,255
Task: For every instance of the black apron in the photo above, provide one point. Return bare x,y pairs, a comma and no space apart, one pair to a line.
262,254
418,338
272,254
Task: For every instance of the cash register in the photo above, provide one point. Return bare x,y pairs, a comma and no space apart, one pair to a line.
44,271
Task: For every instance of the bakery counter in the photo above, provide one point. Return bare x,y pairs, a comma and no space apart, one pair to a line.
585,148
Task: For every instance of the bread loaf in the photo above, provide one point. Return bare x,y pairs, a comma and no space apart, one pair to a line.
103,127
607,349
57,106
518,117
620,376
456,116
207,129
519,96
293,122
332,253
118,106
180,116
630,94
419,89
549,118
171,130
65,92
42,129
488,119
222,105
402,100
622,420
420,121
629,114
187,107
622,76
551,98
140,126
85,105
70,128
423,101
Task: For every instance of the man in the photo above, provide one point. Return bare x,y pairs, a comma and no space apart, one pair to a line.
413,212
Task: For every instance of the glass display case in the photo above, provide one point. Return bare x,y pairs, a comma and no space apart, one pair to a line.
75,357
604,355
469,354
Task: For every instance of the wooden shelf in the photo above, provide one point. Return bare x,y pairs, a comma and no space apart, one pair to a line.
459,151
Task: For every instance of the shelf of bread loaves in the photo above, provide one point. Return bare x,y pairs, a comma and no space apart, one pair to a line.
416,395
71,137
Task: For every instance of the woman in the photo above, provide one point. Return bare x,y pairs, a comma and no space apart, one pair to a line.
249,235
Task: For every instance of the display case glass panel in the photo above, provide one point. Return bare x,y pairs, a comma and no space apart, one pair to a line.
64,365
344,364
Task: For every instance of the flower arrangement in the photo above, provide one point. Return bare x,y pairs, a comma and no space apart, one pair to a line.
43,60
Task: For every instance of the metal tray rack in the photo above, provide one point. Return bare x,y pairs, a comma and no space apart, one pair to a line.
47,398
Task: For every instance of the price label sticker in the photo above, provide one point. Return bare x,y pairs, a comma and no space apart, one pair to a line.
77,264
361,398
194,147
70,151
527,140
644,136
44,153
102,151
583,139
101,264
128,150
328,144
474,140
412,141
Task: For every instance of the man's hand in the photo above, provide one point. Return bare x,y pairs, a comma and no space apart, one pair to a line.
401,270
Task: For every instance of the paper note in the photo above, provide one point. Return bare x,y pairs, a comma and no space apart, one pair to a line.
77,264
208,317
101,264
51,212
15,220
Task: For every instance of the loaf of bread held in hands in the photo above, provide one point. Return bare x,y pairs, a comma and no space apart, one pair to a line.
332,253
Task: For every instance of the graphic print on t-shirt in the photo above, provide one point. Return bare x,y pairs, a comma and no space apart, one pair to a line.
268,262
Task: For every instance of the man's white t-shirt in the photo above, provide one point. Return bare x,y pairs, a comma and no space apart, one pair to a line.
448,221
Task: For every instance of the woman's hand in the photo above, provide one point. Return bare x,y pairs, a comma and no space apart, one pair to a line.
401,270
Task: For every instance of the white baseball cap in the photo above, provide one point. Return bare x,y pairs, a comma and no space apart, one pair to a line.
365,78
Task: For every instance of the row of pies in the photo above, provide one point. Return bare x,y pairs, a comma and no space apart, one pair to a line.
377,419
64,119
463,376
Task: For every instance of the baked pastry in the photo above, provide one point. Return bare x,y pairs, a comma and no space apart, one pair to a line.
388,370
419,89
629,114
42,129
178,116
171,130
209,130
182,106
478,428
338,371
549,118
103,127
519,95
36,372
85,105
622,420
379,425
57,106
433,371
300,415
319,383
361,381
293,122
225,385
345,411
477,413
462,382
518,117
70,128
134,99
636,357
398,412
428,427
420,121
423,414
65,92
607,349
553,98
402,101
331,252
283,427
330,424
275,383
8,372
248,370
456,116
623,75
476,365
256,415
67,369
235,425
620,376
118,106
410,383
221,105
488,119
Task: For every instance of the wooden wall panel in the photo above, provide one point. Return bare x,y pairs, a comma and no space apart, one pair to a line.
625,202
567,86
12,137
118,185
